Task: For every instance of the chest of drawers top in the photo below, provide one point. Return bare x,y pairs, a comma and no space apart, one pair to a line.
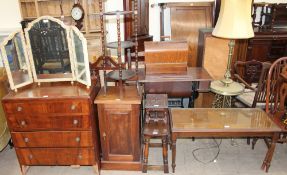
50,92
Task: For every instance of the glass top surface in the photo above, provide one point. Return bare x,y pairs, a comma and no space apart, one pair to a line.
239,119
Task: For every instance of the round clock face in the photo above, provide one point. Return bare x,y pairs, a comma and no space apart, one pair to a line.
77,13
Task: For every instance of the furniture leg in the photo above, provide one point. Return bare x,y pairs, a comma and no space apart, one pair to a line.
173,152
164,154
146,149
11,144
267,161
254,142
96,169
24,169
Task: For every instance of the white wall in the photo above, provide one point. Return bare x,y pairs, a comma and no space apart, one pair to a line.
10,16
154,16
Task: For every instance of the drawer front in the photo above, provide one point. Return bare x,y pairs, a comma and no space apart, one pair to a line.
16,108
56,156
53,139
48,107
45,122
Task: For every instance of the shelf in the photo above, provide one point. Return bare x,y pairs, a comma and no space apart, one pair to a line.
119,13
124,45
126,74
30,17
27,1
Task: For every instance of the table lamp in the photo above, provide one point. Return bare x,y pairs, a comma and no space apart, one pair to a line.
234,22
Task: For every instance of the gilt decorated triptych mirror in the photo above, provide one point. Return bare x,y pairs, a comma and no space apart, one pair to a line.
54,51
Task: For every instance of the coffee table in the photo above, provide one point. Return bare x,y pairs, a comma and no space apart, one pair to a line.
223,122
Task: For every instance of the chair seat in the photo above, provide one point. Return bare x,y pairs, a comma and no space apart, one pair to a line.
247,99
155,129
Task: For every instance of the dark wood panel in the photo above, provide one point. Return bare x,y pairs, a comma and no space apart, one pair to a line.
56,156
53,139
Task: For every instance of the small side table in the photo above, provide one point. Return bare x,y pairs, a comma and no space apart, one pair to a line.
156,126
223,94
155,104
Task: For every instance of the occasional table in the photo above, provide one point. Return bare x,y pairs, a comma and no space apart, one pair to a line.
196,79
224,94
223,122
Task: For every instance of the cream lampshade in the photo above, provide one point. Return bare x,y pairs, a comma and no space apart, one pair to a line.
235,21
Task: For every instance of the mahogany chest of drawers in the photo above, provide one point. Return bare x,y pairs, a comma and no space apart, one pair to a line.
53,125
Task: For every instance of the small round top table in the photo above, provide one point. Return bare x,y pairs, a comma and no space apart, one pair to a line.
223,93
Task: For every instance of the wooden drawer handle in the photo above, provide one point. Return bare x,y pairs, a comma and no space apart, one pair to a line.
19,108
78,139
73,107
26,139
75,122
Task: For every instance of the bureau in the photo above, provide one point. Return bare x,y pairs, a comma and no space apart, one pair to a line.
53,124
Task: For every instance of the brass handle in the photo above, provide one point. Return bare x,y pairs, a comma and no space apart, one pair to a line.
23,123
30,156
80,156
104,136
26,139
19,108
73,107
75,122
78,139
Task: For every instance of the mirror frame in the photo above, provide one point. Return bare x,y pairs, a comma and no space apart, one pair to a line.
86,57
6,63
69,42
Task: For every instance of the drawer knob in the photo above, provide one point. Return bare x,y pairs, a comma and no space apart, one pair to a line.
80,156
78,139
75,122
73,107
23,123
30,156
19,108
26,139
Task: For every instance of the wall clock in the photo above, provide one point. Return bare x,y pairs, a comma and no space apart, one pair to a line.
78,14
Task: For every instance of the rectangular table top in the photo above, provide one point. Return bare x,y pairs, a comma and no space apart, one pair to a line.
221,120
193,74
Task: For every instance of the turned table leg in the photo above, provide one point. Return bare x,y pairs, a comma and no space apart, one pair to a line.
145,158
267,161
173,153
164,154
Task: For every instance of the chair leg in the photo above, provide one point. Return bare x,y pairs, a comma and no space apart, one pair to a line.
164,154
248,140
254,142
145,158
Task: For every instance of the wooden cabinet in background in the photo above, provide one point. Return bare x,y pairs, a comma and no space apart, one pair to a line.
119,121
32,9
267,46
186,20
54,124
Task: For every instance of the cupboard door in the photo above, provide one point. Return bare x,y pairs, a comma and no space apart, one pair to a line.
119,128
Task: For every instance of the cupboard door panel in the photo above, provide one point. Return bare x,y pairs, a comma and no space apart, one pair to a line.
119,130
